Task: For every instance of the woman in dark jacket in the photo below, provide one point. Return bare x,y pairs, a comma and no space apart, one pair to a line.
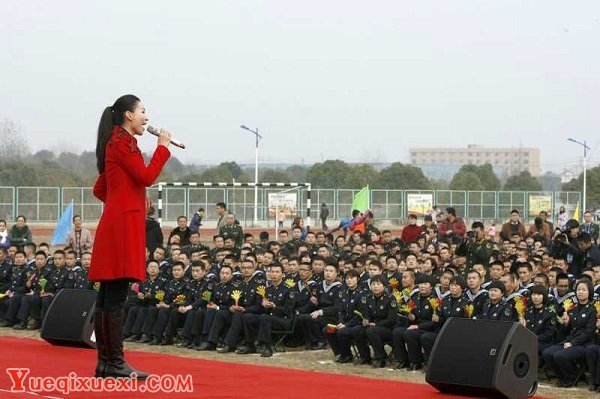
539,319
20,234
580,325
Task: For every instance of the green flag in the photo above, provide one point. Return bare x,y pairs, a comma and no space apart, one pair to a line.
361,200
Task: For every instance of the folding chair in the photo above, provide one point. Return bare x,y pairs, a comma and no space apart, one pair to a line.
280,335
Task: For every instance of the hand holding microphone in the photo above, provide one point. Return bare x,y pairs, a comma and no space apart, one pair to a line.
164,137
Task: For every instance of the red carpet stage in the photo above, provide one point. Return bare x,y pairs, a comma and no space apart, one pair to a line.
211,379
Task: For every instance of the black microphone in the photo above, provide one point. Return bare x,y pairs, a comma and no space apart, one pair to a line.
155,131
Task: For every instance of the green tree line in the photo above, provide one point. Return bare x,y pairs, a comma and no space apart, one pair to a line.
44,168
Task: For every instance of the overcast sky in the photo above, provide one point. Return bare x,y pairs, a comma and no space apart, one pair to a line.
354,80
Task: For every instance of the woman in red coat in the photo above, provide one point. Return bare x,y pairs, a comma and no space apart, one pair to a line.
120,245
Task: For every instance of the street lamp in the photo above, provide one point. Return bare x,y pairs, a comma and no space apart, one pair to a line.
585,150
258,137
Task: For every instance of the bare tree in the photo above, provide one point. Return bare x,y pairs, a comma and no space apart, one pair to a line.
13,143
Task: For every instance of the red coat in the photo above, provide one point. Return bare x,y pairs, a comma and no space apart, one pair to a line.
120,243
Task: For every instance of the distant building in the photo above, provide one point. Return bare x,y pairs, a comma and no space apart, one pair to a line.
442,163
568,175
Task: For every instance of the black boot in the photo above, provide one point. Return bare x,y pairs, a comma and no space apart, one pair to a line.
100,347
112,324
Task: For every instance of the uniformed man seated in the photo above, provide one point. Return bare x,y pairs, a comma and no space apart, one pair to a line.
278,308
325,308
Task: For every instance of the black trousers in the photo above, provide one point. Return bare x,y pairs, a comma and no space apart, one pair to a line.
215,324
427,342
340,341
197,329
413,345
112,295
358,334
39,308
592,355
150,321
13,306
399,343
564,362
162,319
134,320
259,327
27,304
313,328
377,337
236,330
176,319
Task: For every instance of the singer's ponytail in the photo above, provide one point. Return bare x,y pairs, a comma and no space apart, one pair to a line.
112,116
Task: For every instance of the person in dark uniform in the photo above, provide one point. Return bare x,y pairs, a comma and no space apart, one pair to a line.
511,295
28,319
474,293
421,321
72,269
539,319
5,270
379,319
143,297
453,305
590,253
233,230
391,274
174,296
406,301
221,301
325,301
305,290
349,301
592,354
178,313
249,301
292,269
496,308
200,290
580,325
16,290
278,304
83,281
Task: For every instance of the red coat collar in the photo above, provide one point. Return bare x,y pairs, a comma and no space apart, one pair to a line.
122,134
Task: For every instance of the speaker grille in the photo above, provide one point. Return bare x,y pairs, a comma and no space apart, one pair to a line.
521,365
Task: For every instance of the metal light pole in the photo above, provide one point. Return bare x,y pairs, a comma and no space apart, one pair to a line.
585,150
258,136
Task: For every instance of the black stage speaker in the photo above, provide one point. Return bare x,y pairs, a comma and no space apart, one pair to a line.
492,359
69,320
